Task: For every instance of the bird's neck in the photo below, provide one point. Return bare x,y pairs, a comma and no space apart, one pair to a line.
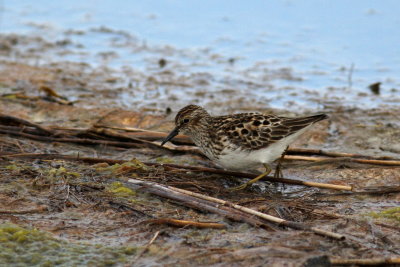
201,136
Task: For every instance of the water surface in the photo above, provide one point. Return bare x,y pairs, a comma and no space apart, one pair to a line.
280,53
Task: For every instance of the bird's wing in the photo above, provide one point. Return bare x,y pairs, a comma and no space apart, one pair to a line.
255,131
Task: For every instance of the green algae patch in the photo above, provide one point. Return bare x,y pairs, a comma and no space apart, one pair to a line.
17,168
164,160
61,171
133,165
12,167
30,247
119,190
391,214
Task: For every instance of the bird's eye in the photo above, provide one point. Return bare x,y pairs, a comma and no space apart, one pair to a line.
185,120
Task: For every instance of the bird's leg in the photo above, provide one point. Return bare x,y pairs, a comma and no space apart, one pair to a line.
252,181
278,168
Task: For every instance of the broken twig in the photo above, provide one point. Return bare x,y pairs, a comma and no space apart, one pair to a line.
184,223
15,120
356,160
147,246
39,209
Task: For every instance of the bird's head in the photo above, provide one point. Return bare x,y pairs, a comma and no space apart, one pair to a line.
188,121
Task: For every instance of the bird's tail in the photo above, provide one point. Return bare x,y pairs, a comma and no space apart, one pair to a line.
301,122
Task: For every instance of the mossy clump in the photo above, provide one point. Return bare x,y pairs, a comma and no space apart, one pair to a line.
30,247
119,190
18,167
12,167
164,160
61,171
392,214
133,165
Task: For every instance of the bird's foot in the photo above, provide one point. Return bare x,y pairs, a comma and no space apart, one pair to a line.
240,187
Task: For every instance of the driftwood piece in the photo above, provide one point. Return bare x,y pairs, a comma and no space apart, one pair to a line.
173,192
204,205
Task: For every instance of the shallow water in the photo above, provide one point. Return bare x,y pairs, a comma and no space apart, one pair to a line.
282,54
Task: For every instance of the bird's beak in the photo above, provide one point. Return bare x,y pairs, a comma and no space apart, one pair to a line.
171,135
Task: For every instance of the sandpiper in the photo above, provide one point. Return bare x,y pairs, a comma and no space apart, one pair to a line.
241,141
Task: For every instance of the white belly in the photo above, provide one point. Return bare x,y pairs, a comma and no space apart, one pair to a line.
245,160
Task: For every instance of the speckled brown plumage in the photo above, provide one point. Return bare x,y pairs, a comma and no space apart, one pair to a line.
254,131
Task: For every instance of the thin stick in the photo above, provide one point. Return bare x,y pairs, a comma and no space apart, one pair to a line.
154,238
59,156
150,135
264,216
39,209
184,223
127,129
147,246
373,261
70,140
25,129
308,151
367,191
193,168
24,122
365,161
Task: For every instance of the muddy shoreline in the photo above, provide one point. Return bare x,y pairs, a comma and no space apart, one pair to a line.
88,207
